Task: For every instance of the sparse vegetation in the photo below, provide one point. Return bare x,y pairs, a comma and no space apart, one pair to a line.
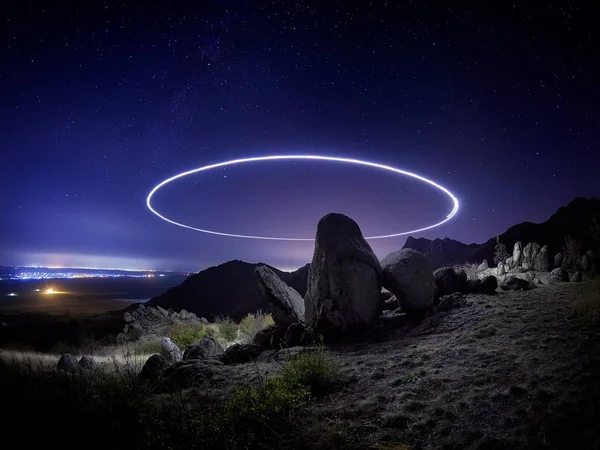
500,252
227,329
587,306
571,251
185,335
316,370
253,323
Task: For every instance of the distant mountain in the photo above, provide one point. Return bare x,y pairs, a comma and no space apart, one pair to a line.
228,289
574,220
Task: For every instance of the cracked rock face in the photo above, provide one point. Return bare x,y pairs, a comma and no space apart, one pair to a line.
344,281
287,305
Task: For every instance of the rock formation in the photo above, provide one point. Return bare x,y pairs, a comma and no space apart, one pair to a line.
344,281
207,348
170,351
559,274
286,304
408,274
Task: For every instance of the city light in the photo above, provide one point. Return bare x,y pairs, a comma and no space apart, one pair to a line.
50,291
11,294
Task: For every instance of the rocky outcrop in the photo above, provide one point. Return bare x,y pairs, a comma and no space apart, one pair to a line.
408,274
207,348
530,253
143,320
170,351
86,362
344,281
541,262
517,254
448,282
241,353
559,274
286,304
514,284
154,368
483,266
577,277
487,285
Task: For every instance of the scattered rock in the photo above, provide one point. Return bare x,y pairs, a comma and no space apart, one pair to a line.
577,277
293,335
241,353
483,266
67,362
207,348
170,350
408,274
559,274
518,254
154,368
344,280
287,305
87,363
514,284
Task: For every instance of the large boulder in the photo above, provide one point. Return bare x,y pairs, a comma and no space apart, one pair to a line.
185,374
483,266
67,362
86,362
154,368
558,259
344,279
265,337
207,348
559,274
241,353
408,274
541,262
500,270
517,254
448,281
530,253
511,283
293,335
577,277
170,350
487,285
287,306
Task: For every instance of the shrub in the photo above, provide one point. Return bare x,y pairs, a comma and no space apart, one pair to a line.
316,370
227,329
185,335
571,251
253,323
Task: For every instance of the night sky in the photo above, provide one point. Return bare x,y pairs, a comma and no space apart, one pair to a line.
496,101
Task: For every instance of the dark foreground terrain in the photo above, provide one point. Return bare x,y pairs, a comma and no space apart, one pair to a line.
515,370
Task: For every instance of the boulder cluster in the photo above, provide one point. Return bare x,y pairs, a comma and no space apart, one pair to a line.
154,321
531,257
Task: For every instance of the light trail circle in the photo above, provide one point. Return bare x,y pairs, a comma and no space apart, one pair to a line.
302,157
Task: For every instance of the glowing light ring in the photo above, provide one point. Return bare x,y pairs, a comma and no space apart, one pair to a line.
305,157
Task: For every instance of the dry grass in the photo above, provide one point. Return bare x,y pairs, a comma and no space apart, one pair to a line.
586,306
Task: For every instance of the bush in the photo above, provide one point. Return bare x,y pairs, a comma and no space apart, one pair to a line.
316,370
185,335
500,253
227,329
253,323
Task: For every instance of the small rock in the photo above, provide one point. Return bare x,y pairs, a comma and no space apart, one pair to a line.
67,362
514,284
559,274
207,348
170,350
154,367
87,363
500,270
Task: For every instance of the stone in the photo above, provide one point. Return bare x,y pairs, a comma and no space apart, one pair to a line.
577,277
170,350
287,306
263,337
462,281
500,270
385,295
207,348
541,262
558,259
163,311
154,368
447,281
517,254
127,317
293,335
87,363
487,285
511,283
559,274
186,374
241,353
510,263
452,301
391,303
203,320
585,265
483,266
529,254
408,274
67,362
344,279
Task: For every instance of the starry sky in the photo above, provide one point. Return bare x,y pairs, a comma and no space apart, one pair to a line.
494,100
